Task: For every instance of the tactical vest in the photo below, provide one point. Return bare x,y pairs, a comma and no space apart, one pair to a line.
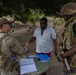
68,40
5,57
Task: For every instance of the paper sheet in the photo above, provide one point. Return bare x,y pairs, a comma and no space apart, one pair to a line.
27,66
31,55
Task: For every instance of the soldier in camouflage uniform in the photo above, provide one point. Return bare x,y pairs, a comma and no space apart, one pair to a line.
68,12
10,48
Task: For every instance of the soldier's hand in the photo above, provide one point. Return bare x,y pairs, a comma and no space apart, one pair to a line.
60,58
25,48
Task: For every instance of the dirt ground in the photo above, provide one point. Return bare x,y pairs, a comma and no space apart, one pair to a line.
22,34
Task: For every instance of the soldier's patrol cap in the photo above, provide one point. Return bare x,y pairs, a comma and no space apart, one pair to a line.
5,21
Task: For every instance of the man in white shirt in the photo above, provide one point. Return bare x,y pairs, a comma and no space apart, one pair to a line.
45,37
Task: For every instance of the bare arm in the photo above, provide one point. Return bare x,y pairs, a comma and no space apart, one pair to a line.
71,51
32,39
55,43
55,47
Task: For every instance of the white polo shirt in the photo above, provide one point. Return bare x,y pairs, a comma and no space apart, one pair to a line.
44,42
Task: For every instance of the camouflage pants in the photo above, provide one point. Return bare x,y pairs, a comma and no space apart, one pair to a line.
3,72
71,72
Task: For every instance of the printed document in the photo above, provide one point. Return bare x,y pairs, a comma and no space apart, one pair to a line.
27,66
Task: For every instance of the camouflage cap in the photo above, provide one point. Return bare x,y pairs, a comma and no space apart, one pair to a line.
4,21
68,9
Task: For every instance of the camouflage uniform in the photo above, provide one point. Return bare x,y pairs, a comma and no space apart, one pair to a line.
9,50
68,38
69,42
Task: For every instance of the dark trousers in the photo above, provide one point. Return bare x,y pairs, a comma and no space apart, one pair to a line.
44,73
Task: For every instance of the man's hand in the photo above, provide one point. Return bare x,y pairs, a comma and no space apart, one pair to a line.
56,52
60,58
27,44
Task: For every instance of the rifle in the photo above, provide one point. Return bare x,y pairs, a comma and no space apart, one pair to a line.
63,47
66,63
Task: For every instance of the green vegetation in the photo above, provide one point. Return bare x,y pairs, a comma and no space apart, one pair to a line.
30,10
59,21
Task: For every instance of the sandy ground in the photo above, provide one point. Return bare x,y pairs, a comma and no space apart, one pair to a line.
22,34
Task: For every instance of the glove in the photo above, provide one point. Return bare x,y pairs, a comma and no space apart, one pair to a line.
60,58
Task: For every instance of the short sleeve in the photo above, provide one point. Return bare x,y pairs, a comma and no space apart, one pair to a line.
34,34
36,31
53,33
74,29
